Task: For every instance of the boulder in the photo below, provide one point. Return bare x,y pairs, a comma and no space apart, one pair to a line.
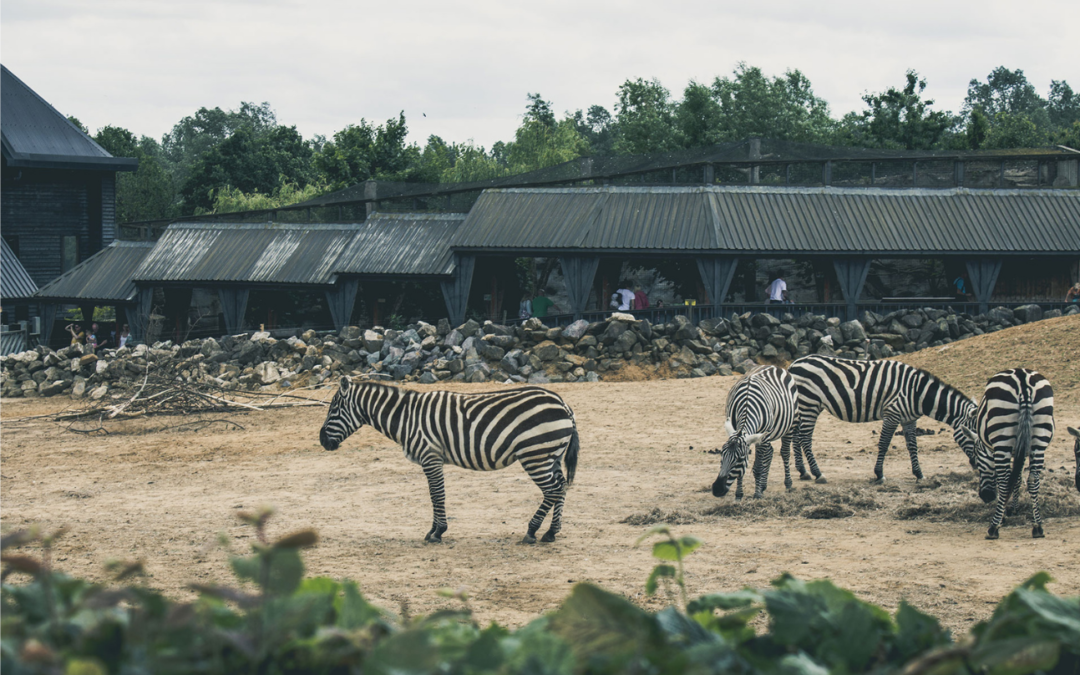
576,330
852,331
373,342
546,351
99,392
1028,313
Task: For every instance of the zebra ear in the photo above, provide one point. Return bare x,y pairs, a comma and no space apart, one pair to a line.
1074,432
345,383
730,429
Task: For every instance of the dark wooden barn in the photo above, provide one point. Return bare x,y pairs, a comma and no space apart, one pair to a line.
58,185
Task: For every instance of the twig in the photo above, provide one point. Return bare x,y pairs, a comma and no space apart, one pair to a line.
145,379
204,423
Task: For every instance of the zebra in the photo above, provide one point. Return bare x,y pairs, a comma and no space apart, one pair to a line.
864,391
1076,451
483,432
1013,423
760,409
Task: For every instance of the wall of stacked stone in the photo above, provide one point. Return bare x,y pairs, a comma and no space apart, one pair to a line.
524,353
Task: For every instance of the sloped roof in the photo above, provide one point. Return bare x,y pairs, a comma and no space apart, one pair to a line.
774,220
15,282
35,134
243,252
402,244
105,276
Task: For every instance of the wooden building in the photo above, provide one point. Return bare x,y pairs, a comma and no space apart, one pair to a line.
58,185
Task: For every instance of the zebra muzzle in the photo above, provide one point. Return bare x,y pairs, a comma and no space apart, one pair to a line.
326,441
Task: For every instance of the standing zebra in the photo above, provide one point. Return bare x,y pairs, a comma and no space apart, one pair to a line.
1013,423
482,432
760,409
1076,451
864,391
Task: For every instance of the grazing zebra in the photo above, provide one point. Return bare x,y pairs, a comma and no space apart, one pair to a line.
864,391
482,432
1076,451
1013,423
760,409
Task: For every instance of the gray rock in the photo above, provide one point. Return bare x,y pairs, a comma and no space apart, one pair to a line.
349,332
852,330
99,392
429,378
373,342
538,378
1028,313
575,330
624,342
468,328
546,351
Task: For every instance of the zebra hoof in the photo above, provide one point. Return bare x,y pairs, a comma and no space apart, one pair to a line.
548,537
528,539
877,481
758,495
992,533
821,480
432,539
789,487
1037,532
805,476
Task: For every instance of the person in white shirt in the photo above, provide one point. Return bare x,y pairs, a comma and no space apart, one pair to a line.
626,298
777,290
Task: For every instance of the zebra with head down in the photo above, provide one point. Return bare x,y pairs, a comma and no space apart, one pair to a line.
760,409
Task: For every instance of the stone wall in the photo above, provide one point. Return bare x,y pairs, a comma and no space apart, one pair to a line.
530,352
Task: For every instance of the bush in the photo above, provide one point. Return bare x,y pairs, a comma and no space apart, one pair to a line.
291,624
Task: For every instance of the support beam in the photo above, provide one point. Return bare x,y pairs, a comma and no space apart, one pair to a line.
47,312
138,315
579,272
456,291
851,272
983,273
341,300
233,306
716,274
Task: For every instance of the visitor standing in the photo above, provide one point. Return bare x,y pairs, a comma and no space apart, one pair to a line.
541,304
777,290
641,301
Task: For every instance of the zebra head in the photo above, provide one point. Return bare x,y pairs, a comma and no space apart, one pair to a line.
983,462
734,457
343,418
1076,451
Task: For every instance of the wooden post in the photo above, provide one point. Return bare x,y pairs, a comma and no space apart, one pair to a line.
755,153
709,174
873,173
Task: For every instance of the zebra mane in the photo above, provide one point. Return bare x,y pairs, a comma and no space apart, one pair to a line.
944,385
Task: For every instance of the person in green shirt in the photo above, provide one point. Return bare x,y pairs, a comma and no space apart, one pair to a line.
541,304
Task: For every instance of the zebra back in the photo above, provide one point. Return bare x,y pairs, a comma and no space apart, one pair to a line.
859,391
1016,411
762,402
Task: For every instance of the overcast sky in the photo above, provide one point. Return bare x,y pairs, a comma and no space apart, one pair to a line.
467,66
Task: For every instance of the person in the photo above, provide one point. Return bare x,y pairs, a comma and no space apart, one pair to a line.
777,290
641,301
1074,293
961,288
541,304
659,303
78,337
125,335
626,297
95,338
525,306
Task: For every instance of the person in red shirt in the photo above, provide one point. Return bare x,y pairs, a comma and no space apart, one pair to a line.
641,301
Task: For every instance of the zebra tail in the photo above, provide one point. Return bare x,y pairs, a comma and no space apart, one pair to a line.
571,457
1022,448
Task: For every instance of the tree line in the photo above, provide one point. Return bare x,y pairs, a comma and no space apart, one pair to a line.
242,159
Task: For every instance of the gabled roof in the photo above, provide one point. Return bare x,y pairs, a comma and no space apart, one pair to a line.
402,244
248,253
35,134
105,276
15,282
774,220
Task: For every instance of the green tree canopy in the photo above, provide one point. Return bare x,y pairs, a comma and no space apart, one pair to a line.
146,193
645,119
899,119
782,108
362,151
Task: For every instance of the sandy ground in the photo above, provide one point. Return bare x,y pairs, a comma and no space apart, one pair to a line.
163,495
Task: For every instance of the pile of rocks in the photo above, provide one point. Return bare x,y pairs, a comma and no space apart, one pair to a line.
530,352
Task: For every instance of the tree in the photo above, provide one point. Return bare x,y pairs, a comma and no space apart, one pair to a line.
360,152
194,136
645,119
541,141
146,193
900,119
783,108
699,116
1063,105
595,127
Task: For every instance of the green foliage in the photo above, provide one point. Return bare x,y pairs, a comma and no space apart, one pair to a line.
360,152
898,118
228,199
645,119
148,192
281,622
782,108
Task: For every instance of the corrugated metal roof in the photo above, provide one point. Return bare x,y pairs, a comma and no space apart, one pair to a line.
781,220
302,254
36,135
402,243
105,276
15,282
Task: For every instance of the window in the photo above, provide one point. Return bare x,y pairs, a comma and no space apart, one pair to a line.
69,252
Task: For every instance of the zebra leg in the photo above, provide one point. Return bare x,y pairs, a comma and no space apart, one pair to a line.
738,486
548,477
888,428
762,462
1003,481
433,469
805,438
913,448
785,455
1034,475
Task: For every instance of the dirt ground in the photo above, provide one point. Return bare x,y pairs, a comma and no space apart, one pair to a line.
163,496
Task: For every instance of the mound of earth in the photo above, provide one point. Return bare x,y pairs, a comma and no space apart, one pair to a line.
1049,346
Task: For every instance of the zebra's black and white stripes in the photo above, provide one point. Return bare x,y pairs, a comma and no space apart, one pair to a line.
760,409
482,432
1076,451
1013,423
864,391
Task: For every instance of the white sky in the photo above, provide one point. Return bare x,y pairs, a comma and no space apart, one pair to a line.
467,66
